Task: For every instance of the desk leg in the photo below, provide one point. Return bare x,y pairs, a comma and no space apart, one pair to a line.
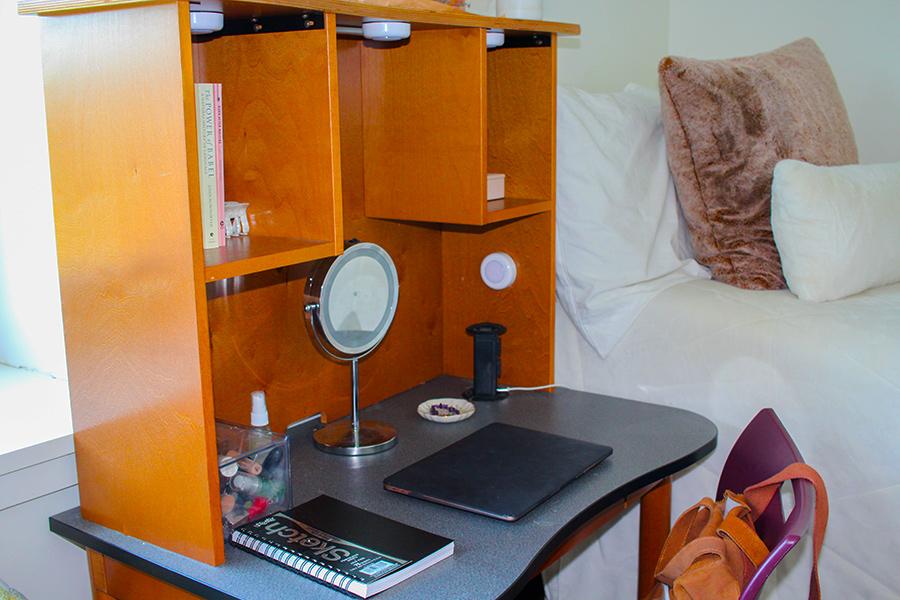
656,515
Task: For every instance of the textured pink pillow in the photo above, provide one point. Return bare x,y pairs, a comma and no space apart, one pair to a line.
727,123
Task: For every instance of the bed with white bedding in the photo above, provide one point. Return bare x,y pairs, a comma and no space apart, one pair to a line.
638,318
832,373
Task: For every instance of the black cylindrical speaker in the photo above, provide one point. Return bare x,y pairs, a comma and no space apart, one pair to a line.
486,363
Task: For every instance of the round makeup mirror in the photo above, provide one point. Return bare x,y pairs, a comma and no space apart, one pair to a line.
350,304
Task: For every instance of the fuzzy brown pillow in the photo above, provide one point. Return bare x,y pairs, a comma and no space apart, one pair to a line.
727,123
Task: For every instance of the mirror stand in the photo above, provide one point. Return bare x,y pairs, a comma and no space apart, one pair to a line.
355,438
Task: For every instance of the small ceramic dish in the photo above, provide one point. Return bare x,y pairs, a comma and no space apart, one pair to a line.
446,410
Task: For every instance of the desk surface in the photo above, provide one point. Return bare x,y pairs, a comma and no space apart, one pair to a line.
492,558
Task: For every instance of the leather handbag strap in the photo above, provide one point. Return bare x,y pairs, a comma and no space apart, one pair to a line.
708,545
759,496
689,525
744,536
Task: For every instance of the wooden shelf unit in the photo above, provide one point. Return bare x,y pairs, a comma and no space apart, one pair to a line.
163,337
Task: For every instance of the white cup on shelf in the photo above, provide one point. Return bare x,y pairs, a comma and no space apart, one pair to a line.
520,9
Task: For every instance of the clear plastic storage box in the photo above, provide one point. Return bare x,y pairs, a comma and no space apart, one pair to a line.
254,474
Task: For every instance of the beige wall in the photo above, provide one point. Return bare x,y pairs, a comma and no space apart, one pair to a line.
861,40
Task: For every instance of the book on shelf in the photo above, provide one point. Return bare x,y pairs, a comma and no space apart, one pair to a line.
209,151
220,162
342,546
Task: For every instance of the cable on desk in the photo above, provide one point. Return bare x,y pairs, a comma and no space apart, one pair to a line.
526,389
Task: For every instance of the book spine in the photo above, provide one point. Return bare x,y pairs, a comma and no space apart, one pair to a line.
295,562
220,162
206,152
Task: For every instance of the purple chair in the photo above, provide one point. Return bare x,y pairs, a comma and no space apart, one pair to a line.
763,449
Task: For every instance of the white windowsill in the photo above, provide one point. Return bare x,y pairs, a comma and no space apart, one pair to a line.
35,418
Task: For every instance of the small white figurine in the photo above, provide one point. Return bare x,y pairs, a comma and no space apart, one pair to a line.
236,221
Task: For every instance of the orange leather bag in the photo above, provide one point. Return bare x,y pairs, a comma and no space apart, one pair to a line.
713,549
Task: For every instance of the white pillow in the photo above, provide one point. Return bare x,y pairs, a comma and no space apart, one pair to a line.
618,238
837,228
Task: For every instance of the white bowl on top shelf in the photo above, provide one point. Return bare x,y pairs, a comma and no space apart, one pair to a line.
466,409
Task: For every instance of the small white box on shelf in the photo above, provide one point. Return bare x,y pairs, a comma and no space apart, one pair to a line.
496,186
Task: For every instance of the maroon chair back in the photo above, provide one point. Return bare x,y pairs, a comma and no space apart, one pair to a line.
763,449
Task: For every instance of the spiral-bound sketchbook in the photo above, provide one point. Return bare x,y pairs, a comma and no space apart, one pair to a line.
342,546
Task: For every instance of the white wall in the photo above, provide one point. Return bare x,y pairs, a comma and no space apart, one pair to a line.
621,41
861,40
33,407
30,319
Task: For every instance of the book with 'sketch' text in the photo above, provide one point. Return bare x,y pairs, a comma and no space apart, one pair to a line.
342,546
208,102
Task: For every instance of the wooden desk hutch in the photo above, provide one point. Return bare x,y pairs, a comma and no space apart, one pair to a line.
328,137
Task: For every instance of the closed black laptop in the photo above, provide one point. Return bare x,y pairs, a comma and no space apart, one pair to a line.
501,471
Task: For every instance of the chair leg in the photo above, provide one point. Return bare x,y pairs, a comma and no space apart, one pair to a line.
656,518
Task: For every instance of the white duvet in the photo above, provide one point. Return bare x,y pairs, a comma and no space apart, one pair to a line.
832,373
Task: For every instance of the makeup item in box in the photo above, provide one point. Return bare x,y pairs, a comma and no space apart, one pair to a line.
254,473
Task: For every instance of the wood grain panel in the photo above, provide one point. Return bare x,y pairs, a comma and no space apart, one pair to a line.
281,129
259,337
526,308
520,122
97,570
424,127
126,583
117,85
343,7
252,254
656,517
505,209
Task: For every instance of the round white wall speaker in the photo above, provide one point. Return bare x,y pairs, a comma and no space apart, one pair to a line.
498,270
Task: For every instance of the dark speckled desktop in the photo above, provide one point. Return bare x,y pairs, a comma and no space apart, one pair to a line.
493,559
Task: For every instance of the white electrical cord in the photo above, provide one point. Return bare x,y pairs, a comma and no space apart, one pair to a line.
525,389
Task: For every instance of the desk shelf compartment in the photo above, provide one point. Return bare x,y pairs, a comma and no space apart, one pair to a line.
281,143
441,112
521,134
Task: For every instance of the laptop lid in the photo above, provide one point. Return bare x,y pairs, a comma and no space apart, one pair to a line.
500,471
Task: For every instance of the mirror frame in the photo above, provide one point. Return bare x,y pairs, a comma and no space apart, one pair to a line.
318,285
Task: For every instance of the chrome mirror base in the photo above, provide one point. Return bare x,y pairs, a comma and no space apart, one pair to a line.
342,438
